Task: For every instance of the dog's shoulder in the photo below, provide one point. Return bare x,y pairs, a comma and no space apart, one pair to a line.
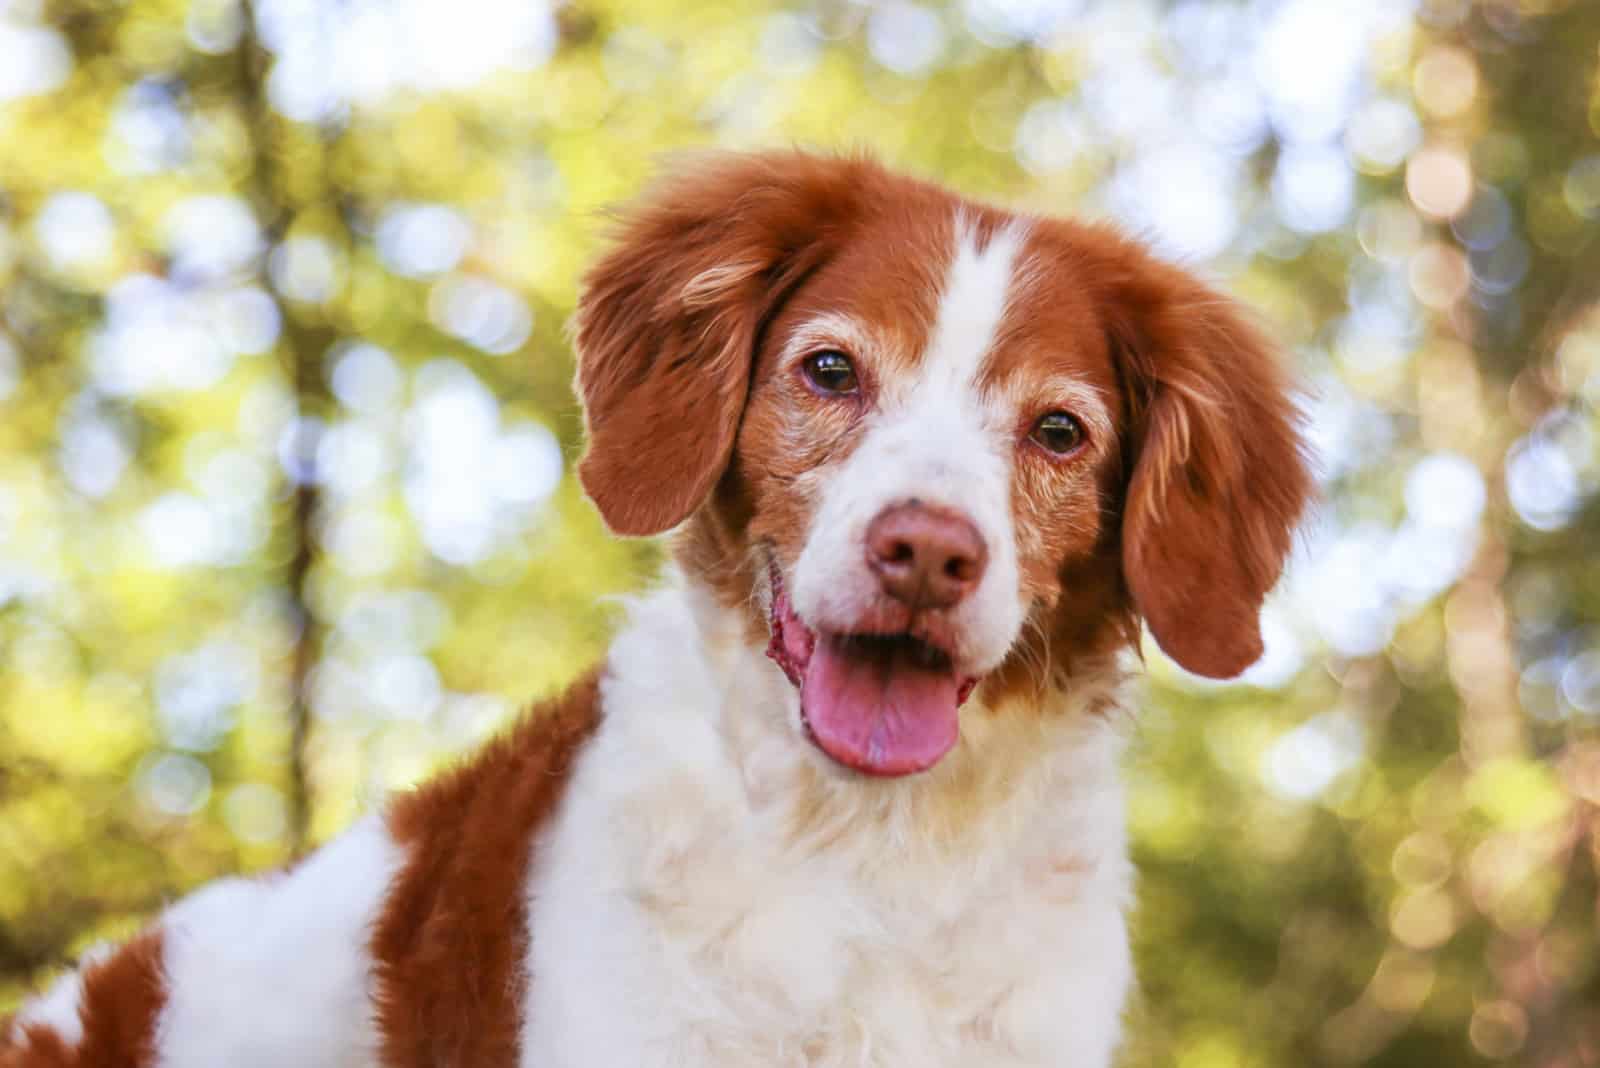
513,779
449,944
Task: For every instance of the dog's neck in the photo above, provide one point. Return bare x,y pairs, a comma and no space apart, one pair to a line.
700,696
707,854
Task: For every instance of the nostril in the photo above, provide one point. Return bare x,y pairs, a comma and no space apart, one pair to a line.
961,568
924,557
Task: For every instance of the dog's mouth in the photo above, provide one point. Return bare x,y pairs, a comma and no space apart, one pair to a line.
884,704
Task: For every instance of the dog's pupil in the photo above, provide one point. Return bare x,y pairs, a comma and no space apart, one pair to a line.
832,371
1058,432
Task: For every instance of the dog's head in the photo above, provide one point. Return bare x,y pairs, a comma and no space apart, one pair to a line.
950,443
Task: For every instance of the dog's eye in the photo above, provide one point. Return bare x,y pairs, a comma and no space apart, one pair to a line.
831,372
1058,432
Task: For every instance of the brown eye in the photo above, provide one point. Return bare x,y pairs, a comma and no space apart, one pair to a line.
1058,432
831,372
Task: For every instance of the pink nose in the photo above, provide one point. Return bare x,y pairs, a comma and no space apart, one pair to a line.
925,557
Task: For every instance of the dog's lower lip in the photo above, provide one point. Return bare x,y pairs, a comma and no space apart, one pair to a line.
920,651
794,656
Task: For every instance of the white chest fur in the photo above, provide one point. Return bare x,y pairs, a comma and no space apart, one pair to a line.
713,894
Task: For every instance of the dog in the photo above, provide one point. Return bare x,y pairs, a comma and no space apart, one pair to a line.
845,789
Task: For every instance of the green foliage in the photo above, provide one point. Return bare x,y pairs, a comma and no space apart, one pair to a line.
283,405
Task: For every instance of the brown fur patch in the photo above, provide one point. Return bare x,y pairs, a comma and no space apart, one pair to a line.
878,262
121,1000
1218,480
34,1046
668,321
450,945
884,276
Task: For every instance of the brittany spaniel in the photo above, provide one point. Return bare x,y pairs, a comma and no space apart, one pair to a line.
845,790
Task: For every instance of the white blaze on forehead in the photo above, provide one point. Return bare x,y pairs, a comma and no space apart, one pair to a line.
933,437
972,306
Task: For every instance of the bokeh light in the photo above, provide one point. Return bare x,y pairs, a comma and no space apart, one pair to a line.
287,517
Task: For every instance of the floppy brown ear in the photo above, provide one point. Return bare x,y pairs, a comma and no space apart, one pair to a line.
1219,477
669,319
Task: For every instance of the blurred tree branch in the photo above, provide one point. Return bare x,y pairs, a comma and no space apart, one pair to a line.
307,338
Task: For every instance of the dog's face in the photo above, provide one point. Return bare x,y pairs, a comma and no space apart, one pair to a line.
953,446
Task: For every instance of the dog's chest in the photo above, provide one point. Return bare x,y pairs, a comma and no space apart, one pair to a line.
788,964
712,948
698,902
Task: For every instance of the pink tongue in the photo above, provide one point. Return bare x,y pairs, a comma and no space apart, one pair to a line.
877,711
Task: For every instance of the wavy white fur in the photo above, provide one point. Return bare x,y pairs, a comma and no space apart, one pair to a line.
276,971
713,893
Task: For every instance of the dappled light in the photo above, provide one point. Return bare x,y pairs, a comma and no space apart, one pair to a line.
287,518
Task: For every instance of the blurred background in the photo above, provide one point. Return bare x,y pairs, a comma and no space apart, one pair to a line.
287,519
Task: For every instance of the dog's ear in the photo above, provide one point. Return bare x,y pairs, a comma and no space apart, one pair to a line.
1219,477
668,321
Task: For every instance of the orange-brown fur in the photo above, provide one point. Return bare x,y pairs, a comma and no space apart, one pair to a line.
448,949
121,1000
